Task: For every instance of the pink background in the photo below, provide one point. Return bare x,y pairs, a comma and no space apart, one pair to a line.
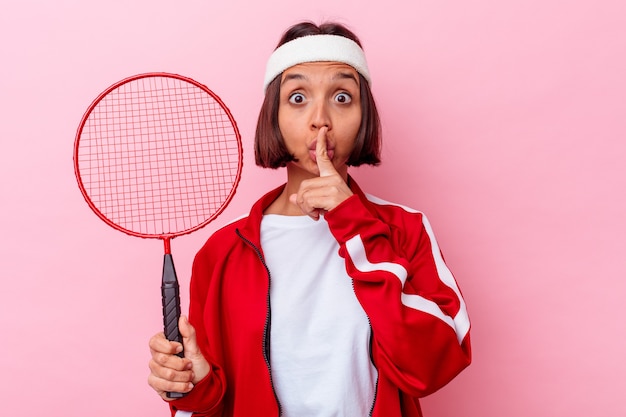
504,121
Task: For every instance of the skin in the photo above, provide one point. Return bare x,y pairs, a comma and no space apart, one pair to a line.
319,117
170,373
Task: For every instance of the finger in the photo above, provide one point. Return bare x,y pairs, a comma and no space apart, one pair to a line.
188,333
171,361
324,164
163,386
158,343
306,208
170,374
201,367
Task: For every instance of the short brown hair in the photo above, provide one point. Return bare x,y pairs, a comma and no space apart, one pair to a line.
269,146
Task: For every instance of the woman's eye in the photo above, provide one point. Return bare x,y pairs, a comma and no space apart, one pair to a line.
296,98
343,98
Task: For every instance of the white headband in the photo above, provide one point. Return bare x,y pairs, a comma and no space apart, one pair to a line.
316,48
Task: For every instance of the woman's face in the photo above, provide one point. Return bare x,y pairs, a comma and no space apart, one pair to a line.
314,95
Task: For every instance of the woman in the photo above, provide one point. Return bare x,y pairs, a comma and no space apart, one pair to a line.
323,301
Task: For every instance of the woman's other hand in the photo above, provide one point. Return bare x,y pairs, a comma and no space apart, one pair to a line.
171,373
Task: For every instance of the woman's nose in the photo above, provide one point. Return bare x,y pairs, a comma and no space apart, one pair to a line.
320,116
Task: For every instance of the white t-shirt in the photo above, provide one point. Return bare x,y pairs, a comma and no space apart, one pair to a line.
320,335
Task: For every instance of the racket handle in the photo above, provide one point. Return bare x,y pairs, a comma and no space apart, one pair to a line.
171,308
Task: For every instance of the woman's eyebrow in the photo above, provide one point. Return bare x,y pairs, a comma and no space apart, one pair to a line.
338,76
346,75
292,76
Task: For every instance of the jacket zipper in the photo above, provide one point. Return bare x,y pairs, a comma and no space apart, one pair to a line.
369,322
266,329
372,360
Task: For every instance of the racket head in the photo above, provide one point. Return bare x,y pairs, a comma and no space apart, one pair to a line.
157,155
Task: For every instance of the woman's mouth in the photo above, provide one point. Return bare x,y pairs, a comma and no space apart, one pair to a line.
313,151
313,154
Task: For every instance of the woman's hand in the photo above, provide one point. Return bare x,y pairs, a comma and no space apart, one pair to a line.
319,195
171,373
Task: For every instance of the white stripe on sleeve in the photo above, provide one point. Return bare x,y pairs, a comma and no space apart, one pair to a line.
461,320
356,250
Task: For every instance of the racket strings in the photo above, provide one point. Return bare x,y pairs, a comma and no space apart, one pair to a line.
159,156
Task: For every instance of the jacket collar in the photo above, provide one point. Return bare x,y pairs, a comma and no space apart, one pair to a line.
252,230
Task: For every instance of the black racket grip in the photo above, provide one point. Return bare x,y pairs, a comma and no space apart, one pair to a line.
170,294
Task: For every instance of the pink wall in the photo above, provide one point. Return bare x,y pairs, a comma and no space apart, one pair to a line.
504,121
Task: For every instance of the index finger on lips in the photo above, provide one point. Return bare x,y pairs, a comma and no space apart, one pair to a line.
324,164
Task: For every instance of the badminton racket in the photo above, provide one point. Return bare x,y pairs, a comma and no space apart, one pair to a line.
158,155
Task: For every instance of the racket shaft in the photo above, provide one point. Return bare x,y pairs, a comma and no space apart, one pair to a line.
171,307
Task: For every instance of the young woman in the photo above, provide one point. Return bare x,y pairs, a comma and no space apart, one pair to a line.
324,300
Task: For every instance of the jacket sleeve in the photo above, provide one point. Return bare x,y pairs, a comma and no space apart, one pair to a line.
205,398
417,313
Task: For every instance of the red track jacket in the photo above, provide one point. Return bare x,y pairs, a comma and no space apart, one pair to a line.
420,326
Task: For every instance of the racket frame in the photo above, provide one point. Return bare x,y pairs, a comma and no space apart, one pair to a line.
170,290
166,237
